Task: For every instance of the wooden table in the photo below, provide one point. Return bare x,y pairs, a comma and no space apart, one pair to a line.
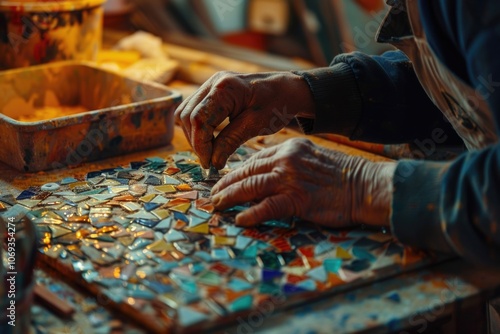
451,295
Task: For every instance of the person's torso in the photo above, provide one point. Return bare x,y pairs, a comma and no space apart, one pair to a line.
463,106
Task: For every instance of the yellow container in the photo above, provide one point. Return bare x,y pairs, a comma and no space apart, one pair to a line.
37,32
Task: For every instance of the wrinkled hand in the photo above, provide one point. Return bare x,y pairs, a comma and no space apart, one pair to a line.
298,178
256,104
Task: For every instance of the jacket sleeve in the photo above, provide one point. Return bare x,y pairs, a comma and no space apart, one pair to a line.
454,207
373,98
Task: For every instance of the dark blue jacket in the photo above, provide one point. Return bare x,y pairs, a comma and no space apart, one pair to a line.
379,99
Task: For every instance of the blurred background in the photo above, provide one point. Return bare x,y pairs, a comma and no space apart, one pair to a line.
311,30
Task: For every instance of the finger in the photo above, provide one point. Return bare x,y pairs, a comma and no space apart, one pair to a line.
233,136
182,113
275,207
254,167
250,189
204,119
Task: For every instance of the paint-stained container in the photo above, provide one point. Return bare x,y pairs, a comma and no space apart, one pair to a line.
37,32
62,114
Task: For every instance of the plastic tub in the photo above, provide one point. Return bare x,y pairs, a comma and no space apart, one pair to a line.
102,114
38,32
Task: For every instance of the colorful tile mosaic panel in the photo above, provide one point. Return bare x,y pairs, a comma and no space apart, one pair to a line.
146,239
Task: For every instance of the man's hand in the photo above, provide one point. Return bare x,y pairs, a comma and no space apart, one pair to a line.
298,178
256,104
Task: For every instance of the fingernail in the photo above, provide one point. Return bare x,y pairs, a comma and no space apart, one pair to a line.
215,200
241,220
215,190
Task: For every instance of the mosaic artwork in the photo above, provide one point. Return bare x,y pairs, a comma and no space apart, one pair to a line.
145,239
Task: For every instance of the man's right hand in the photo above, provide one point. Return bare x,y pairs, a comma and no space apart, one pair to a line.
256,104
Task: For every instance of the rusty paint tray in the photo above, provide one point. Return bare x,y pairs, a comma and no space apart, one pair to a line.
92,114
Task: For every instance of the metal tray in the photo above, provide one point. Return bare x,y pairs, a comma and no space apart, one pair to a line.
123,115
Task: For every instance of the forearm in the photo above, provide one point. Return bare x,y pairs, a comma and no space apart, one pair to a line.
372,98
450,207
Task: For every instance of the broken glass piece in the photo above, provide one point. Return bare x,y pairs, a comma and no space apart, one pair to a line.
241,304
168,180
290,289
367,244
191,195
167,189
183,187
299,240
180,225
174,235
103,197
139,243
394,249
68,180
161,213
53,251
143,214
216,307
161,246
138,189
363,254
204,204
185,248
153,181
269,260
281,244
111,183
188,316
131,206
137,164
180,216
172,170
80,266
26,194
118,189
269,288
160,200
50,187
92,191
323,247
332,265
147,198
219,240
202,228
80,187
242,242
318,274
308,284
270,275
221,269
357,265
68,239
220,254
232,231
164,224
250,252
57,231
76,198
195,221
29,203
341,253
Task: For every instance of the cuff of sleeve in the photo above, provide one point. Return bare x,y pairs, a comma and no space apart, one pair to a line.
337,97
416,218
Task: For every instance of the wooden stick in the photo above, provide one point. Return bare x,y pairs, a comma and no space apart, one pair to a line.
50,300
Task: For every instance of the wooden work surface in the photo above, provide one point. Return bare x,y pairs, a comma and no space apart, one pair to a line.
13,181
